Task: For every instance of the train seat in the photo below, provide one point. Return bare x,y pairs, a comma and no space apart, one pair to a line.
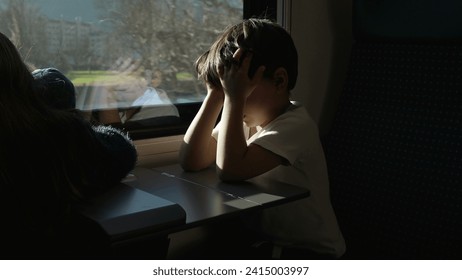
394,150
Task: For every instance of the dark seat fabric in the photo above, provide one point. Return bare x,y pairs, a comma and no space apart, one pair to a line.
394,151
77,238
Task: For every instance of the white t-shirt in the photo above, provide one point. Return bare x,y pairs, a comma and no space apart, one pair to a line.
307,223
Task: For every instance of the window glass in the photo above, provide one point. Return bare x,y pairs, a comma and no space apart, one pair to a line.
131,61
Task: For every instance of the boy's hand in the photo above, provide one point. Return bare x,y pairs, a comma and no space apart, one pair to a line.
215,91
234,76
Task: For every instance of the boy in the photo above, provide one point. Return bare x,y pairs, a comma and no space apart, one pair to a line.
249,72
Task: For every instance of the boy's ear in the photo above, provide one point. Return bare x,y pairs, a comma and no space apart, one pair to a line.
280,78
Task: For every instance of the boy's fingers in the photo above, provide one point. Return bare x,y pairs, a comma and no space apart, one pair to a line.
221,71
238,55
258,74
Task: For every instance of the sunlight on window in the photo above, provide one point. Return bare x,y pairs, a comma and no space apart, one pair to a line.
130,61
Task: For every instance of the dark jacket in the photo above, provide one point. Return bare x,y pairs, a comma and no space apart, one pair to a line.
47,171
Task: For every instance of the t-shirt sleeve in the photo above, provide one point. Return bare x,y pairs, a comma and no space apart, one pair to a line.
288,137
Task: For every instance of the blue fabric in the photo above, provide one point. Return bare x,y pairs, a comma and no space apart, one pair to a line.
55,88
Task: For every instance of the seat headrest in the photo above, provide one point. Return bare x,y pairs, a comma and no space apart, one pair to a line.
407,20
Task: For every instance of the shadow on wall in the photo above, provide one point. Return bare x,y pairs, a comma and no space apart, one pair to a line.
323,37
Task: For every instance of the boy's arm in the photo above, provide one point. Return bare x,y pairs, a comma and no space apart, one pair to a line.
236,160
198,150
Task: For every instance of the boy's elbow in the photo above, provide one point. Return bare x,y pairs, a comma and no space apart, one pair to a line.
187,163
227,176
222,175
193,164
190,162
187,166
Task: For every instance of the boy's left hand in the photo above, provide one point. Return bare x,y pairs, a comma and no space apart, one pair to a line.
234,76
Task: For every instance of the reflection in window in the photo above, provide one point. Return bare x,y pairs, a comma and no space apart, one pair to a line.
131,61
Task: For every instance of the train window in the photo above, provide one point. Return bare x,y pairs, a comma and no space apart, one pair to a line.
130,61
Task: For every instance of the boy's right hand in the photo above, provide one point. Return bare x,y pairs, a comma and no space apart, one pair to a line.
234,77
215,92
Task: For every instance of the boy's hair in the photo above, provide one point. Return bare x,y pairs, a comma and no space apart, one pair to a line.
55,88
270,44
